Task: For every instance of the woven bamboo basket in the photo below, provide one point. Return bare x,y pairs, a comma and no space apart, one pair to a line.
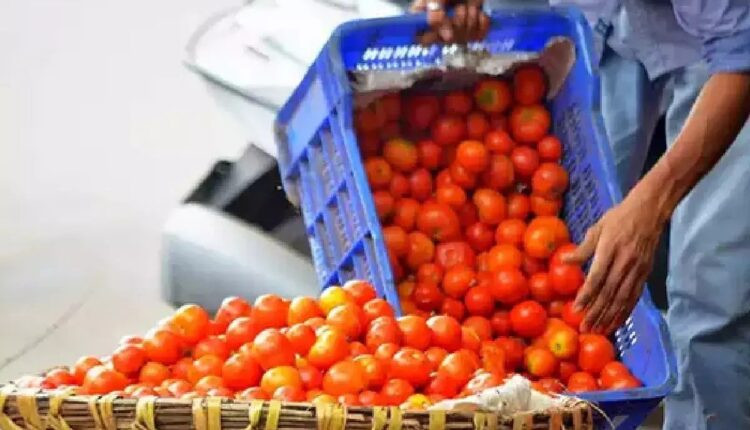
61,410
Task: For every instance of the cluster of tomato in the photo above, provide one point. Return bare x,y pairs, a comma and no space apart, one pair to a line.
468,187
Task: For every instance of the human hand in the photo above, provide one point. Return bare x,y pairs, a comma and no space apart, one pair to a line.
469,22
623,243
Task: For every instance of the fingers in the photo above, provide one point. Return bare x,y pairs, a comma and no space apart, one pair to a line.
584,251
459,23
468,22
636,281
598,270
612,297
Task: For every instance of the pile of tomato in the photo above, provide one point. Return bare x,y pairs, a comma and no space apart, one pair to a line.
468,186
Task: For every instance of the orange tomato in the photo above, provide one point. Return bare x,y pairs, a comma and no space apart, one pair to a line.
458,366
472,155
289,394
514,351
470,340
519,206
481,325
442,385
208,365
411,365
301,337
541,206
101,380
421,250
332,297
563,342
344,377
153,373
283,376
540,362
230,309
510,232
379,173
435,355
430,154
376,308
212,345
504,256
446,332
395,392
348,318
374,369
401,154
253,393
361,291
329,348
163,346
58,377
429,272
272,349
369,398
357,348
302,309
462,176
451,195
240,372
386,351
382,330
191,323
416,333
625,382
128,359
539,240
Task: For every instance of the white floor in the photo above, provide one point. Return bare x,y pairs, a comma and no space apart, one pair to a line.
102,132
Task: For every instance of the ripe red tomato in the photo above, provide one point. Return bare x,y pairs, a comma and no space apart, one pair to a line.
462,176
369,398
270,311
369,144
421,110
416,333
421,250
439,222
477,125
493,96
625,382
550,149
510,232
420,182
509,286
386,351
213,345
399,186
240,372
430,154
525,161
302,309
504,256
555,308
450,254
230,309
481,326
458,366
566,279
376,370
411,365
382,330
446,332
128,359
500,322
345,377
101,380
479,236
401,154
540,287
457,280
396,240
427,296
457,102
514,351
284,376
59,377
519,206
379,173
453,308
384,204
329,348
479,300
162,346
549,181
532,265
242,330
391,105
539,240
302,337
567,368
430,272
571,317
395,392
370,118
448,130
594,352
611,372
499,142
499,174
542,207
499,122
405,213
208,365
451,195
470,340
580,382
467,214
472,155
529,85
529,124
442,385
528,319
490,205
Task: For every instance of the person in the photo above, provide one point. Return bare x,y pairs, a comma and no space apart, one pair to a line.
688,60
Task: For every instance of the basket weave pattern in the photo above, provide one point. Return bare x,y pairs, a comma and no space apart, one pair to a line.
60,410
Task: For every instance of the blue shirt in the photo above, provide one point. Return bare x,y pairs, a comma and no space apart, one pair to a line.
665,35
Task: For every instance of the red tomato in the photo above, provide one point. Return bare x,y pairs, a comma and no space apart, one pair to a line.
421,250
420,183
611,372
446,332
580,382
401,154
128,359
594,352
450,254
59,377
481,325
555,308
391,105
549,181
369,144
479,236
457,280
345,377
369,398
513,348
390,130
101,380
405,213
382,330
421,110
529,85
329,348
550,149
430,154
529,124
566,369
213,345
416,333
504,256
240,372
270,311
571,317
499,142
477,125
457,102
453,308
430,272
386,351
375,370
539,240
208,365
230,309
395,392
451,195
540,287
467,214
500,322
396,240
289,394
442,385
472,155
528,319
242,330
154,373
499,174
541,206
462,176
458,366
490,205
519,206
379,173
499,122
399,186
191,323
375,308
302,309
479,300
510,232
162,346
427,296
411,365
448,130
493,96
370,118
566,279
301,337
284,376
525,161
509,286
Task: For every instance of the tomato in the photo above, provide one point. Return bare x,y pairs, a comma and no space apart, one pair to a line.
131,340
457,280
405,213
566,279
208,365
289,394
345,377
154,373
399,186
528,319
499,142
332,297
395,392
369,398
415,332
480,236
302,309
477,125
549,181
490,205
550,385
230,309
481,382
540,362
519,206
567,368
349,319
594,352
370,118
429,154
240,372
435,355
369,144
213,345
462,176
525,161
453,308
348,400
379,173
509,286
533,265
270,311
540,287
443,178
420,182
499,175
451,254
191,323
421,110
427,296
448,130
580,382
253,393
479,300
391,105
504,256
550,149
514,351
625,382
493,96
101,380
529,124
430,272
510,232
467,214
301,337
128,358
59,377
442,385
272,349
361,291
283,376
611,372
384,204
500,322
563,343
329,348
571,317
451,195
541,206
401,154
382,330
555,308
386,351
457,102
446,332
458,366
529,85
357,348
539,240
411,365
181,369
162,346
375,308
375,371
449,155
481,326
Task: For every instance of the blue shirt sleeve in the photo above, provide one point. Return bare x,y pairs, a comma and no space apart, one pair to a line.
724,28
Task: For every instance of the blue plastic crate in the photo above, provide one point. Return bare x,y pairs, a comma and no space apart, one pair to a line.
322,169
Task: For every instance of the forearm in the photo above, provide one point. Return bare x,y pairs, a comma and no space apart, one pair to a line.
717,117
